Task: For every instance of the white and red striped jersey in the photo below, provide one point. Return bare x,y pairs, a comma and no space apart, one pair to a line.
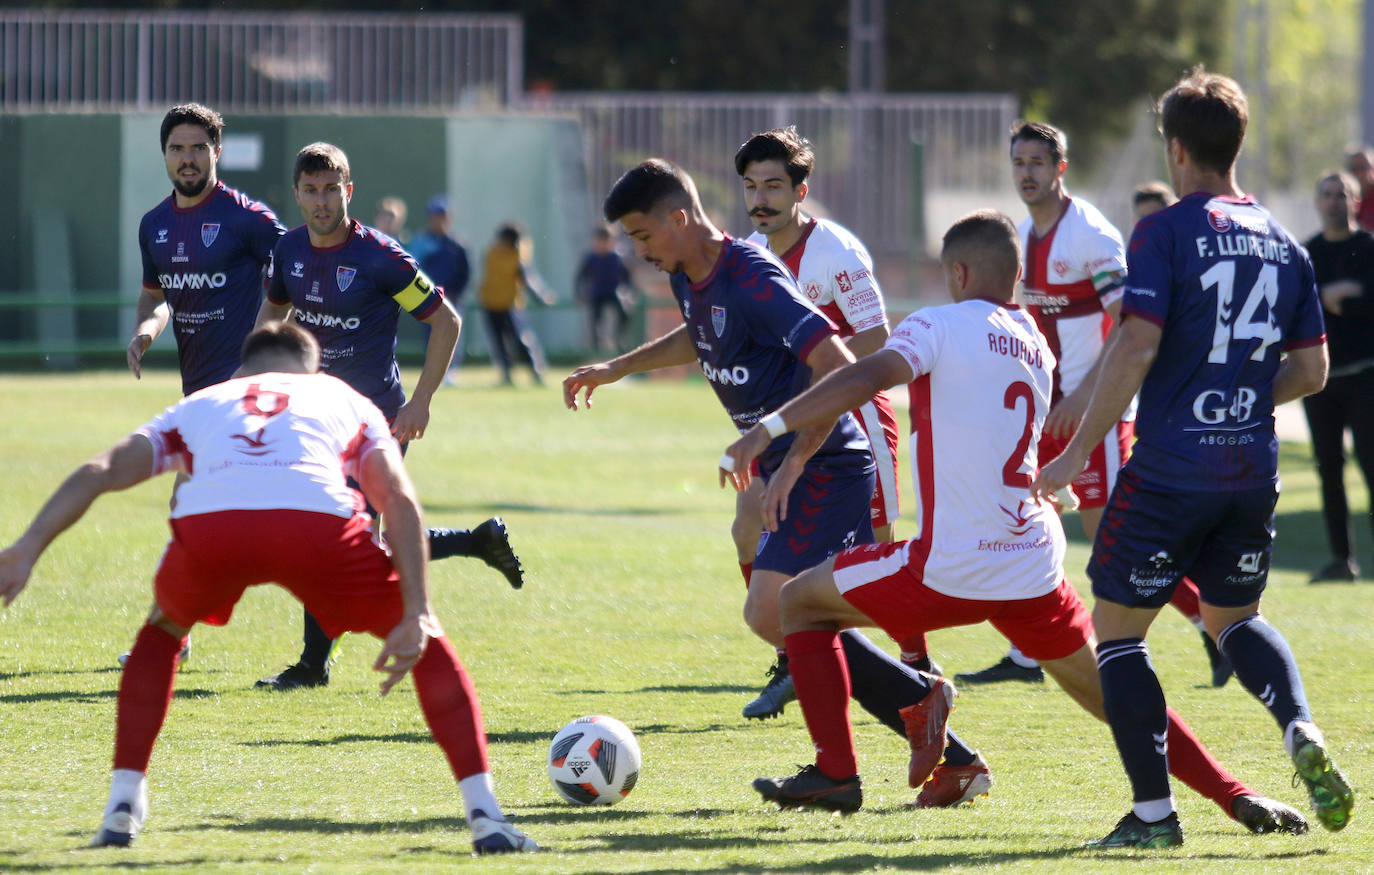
267,442
1070,275
980,390
835,272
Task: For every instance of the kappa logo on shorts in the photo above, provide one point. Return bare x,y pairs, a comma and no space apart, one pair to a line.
208,232
344,276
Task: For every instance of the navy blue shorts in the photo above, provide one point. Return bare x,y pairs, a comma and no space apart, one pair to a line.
1151,537
826,512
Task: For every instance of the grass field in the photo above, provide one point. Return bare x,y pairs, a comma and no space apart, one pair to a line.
631,609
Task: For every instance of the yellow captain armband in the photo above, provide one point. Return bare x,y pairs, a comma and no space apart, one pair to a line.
414,295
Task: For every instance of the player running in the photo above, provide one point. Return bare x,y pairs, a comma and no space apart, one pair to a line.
759,342
980,384
1221,322
271,451
835,273
1073,277
346,283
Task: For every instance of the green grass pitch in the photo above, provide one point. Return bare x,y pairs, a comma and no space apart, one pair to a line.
631,609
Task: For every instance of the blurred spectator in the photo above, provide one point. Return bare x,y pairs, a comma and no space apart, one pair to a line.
390,218
1359,160
604,285
1343,259
506,275
445,261
1151,197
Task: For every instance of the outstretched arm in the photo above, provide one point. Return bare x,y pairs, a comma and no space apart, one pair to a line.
127,463
816,408
389,490
673,348
1123,368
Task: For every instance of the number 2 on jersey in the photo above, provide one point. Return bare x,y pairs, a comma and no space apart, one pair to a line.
1012,475
1244,325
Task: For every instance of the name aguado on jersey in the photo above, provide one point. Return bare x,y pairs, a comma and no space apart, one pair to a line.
753,332
1232,290
207,261
350,297
980,391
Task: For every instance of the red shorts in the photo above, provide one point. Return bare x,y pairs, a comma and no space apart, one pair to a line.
1095,484
1051,626
333,565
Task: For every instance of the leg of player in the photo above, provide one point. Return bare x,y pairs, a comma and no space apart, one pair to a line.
745,531
489,542
145,693
452,711
1189,760
1265,666
1186,600
813,612
1133,702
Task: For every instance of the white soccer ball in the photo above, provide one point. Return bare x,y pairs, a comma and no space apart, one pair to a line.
594,761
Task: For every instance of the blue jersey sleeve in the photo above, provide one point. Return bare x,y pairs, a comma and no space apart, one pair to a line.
150,280
1149,271
397,275
263,231
276,286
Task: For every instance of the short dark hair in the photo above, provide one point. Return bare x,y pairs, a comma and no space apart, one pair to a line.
602,233
1153,191
282,338
988,240
1347,181
1041,132
193,114
321,158
1207,114
647,187
779,144
509,233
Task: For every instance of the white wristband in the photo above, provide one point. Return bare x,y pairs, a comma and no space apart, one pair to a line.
727,464
773,424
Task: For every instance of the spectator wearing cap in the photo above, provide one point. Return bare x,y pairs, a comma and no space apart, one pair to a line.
444,260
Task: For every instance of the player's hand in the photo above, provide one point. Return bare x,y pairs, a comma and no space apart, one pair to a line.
779,489
16,564
1334,294
1064,418
404,647
411,421
1057,475
134,354
584,380
739,458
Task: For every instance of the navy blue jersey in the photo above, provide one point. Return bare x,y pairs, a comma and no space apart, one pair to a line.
753,331
350,297
1231,289
207,260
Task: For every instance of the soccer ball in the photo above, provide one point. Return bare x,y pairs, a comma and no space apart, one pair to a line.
594,761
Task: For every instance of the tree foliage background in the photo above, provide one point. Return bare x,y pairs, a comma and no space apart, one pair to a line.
1086,65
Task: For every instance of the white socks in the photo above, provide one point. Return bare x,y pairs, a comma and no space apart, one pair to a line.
131,786
478,793
1154,810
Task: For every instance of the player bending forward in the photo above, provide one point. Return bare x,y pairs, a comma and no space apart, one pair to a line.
271,452
980,378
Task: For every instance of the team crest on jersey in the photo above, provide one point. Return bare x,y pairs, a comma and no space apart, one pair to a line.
1061,267
718,319
345,276
1220,222
812,289
208,232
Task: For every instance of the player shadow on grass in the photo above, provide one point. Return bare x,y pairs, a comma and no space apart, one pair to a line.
707,689
511,737
91,698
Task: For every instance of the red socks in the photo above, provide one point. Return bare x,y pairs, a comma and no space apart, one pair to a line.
145,692
816,660
449,702
1185,598
747,569
1195,766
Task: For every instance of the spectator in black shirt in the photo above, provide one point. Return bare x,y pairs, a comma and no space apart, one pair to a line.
1343,257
